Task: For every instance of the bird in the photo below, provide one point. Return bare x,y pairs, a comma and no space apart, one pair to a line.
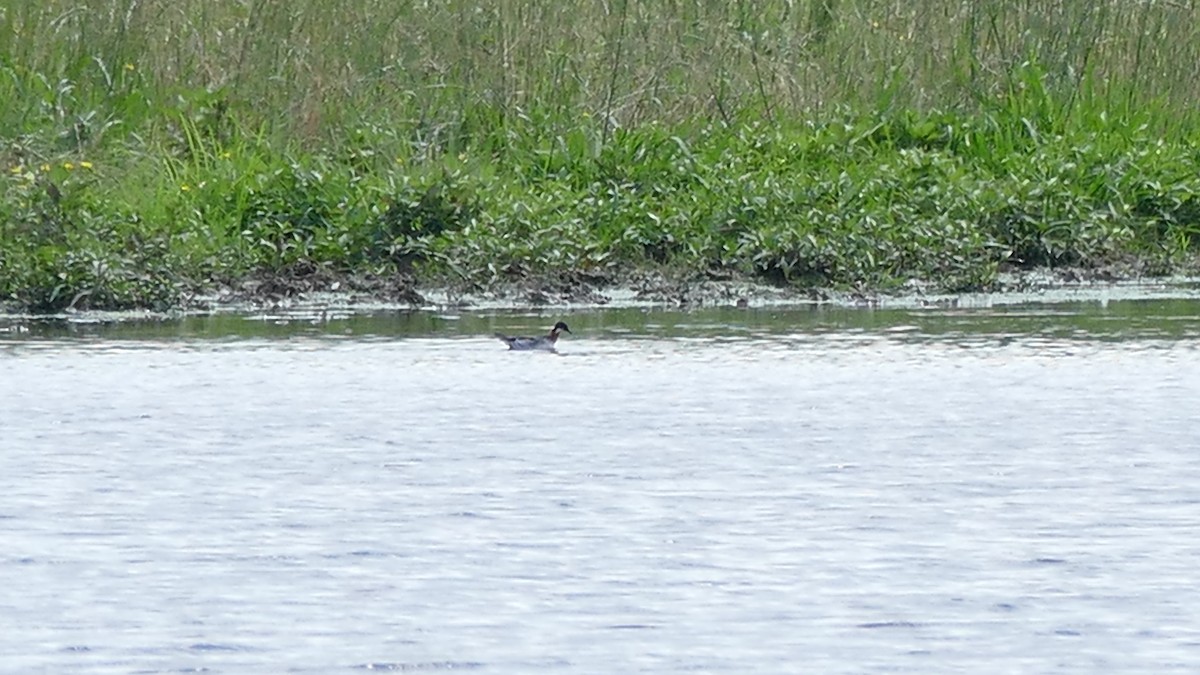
545,342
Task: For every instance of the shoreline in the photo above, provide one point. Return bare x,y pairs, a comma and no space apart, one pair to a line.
646,291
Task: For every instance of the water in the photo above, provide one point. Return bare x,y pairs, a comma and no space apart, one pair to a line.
1010,490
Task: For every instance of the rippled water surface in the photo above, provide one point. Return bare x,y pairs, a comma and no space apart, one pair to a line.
730,491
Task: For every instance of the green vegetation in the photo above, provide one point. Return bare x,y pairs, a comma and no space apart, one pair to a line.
153,149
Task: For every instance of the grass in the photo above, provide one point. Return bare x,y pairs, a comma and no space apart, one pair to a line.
155,149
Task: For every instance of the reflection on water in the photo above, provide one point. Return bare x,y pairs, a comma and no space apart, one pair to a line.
940,491
1125,320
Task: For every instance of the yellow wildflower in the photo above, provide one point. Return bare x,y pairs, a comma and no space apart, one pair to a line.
45,168
15,170
130,66
185,187
226,155
69,166
85,165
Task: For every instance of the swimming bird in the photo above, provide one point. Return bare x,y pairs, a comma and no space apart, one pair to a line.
545,342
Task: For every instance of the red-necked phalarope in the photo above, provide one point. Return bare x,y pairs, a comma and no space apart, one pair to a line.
545,342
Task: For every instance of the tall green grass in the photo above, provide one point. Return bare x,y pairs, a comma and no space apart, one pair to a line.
453,74
152,148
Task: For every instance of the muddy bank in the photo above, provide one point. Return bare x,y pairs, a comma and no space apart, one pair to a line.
329,295
679,290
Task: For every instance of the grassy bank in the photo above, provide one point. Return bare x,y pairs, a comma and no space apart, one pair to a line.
154,149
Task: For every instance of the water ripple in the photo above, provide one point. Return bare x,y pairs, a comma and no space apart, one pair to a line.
835,501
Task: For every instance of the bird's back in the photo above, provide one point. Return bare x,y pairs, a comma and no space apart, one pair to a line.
523,343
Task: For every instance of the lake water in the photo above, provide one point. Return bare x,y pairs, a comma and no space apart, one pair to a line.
1010,490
